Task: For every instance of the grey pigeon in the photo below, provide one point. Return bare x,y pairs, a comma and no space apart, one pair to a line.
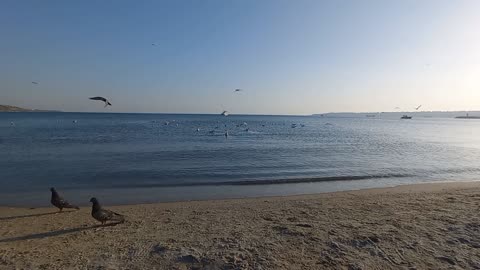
104,215
60,202
107,103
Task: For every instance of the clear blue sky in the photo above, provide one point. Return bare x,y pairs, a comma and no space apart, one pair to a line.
290,57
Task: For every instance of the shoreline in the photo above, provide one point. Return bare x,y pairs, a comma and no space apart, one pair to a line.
415,187
422,226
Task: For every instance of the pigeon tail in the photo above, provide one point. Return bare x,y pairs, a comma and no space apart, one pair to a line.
119,218
71,206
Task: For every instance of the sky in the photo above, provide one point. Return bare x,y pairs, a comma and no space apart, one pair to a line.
289,57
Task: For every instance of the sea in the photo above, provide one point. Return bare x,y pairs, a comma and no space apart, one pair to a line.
145,158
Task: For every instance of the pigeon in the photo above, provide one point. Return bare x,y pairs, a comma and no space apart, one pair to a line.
60,202
107,103
104,215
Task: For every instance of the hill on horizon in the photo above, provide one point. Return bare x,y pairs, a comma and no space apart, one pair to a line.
10,108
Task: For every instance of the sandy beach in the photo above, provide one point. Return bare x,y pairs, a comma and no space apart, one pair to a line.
425,226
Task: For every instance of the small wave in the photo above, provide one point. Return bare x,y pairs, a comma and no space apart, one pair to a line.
267,181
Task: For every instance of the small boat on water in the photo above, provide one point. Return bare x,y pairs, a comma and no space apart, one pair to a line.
406,117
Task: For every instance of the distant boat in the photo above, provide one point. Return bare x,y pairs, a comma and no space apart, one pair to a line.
406,117
371,115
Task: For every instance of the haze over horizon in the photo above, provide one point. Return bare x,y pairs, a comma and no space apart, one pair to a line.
290,57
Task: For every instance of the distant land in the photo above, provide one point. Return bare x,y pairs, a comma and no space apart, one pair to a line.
397,115
9,108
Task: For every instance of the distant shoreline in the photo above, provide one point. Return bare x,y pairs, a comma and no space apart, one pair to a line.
9,108
373,115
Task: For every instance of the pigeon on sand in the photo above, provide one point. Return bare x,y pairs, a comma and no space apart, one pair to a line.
104,215
60,202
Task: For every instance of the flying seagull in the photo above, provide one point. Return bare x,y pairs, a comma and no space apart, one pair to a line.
60,202
102,99
418,107
34,82
238,90
104,215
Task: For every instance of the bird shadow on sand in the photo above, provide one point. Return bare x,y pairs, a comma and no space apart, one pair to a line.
34,215
55,233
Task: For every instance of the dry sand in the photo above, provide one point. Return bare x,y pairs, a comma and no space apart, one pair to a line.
431,226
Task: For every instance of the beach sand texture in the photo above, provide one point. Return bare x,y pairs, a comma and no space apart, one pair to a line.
427,226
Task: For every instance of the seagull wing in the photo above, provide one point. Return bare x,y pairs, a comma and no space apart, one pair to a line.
99,98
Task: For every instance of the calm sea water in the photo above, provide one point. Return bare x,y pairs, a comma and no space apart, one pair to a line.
136,158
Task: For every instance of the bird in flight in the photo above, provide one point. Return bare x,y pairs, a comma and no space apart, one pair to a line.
104,215
34,82
107,103
418,107
237,90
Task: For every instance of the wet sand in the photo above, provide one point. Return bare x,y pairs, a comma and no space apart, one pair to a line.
426,226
